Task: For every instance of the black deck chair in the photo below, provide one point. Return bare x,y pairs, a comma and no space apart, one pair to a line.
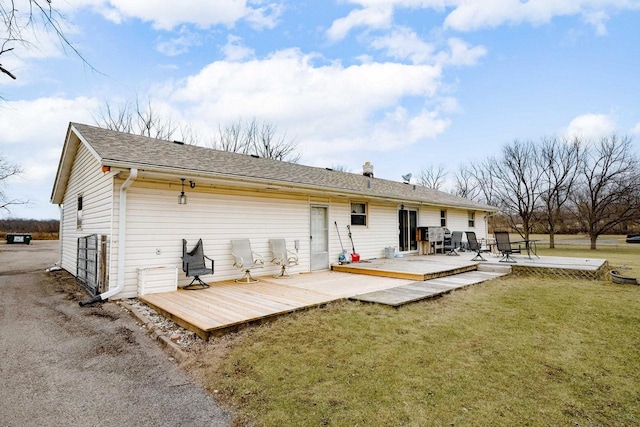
456,241
194,265
474,245
505,247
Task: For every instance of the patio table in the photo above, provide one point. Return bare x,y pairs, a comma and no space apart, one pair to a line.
530,246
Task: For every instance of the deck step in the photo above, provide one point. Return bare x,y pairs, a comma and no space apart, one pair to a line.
417,291
494,268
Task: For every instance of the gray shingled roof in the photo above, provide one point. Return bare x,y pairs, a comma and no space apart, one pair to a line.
127,150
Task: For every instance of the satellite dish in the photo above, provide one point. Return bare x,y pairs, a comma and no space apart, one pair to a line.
407,177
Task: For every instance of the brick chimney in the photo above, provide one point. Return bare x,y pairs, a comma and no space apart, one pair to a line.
367,169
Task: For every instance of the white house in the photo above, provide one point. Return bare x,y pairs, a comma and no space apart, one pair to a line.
121,217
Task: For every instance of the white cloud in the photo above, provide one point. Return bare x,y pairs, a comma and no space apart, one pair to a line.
328,107
235,50
591,126
180,44
461,53
597,19
636,129
471,15
403,43
167,15
264,16
37,148
370,17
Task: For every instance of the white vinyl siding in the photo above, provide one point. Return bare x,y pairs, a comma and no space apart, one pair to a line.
429,216
156,225
88,180
457,220
382,231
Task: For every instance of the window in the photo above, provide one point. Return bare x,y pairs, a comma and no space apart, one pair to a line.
443,218
472,219
79,214
358,214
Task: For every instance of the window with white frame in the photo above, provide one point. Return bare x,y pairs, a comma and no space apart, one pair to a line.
443,218
79,213
358,213
472,219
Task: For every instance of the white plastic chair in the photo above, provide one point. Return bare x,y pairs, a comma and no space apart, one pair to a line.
245,259
282,256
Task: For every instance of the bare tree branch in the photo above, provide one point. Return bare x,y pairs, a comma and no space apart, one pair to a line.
609,186
7,170
433,177
559,161
40,14
260,139
518,177
144,120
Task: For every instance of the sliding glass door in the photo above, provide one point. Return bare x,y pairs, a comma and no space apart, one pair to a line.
408,221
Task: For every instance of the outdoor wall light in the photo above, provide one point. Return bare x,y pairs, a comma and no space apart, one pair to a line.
182,198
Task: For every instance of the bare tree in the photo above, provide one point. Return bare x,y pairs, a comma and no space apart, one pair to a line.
231,138
260,139
466,185
559,162
433,176
477,181
7,170
36,14
143,119
609,188
517,184
339,168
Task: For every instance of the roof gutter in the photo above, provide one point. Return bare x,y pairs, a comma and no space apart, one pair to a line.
254,182
122,227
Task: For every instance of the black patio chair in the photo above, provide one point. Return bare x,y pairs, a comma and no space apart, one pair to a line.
194,265
455,243
505,247
475,246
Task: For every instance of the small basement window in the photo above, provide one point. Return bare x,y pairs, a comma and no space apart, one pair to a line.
472,219
358,214
79,213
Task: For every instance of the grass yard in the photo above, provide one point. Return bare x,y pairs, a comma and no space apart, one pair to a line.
512,351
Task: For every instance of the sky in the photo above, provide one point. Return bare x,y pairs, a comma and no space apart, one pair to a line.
403,84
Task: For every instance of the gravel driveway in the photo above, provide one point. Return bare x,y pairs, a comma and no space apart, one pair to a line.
64,365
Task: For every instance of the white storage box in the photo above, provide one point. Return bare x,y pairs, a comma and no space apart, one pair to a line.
152,280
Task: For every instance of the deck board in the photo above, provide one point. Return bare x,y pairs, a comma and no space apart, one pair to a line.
228,305
417,291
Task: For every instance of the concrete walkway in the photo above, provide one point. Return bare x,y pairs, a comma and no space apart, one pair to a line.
63,365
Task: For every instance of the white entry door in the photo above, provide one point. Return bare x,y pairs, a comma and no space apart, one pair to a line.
319,238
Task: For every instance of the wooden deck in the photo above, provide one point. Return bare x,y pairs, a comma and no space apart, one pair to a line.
417,291
411,267
228,306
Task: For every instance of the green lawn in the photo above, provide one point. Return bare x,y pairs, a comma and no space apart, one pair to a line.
512,351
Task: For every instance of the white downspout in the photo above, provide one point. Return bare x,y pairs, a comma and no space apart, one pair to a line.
122,227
